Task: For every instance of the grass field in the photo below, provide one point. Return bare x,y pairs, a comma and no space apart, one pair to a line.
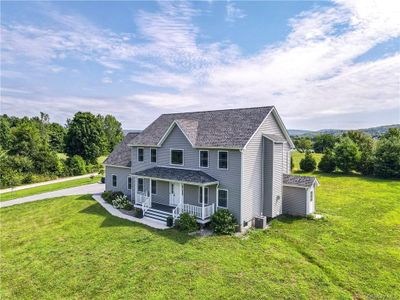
72,248
297,156
48,188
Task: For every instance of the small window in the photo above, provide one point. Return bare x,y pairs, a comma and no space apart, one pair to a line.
205,195
203,154
223,160
114,180
140,154
154,187
176,157
153,155
140,185
311,196
129,183
222,198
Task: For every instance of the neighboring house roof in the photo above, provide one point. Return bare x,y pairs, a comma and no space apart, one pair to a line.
229,128
301,181
190,176
121,155
275,138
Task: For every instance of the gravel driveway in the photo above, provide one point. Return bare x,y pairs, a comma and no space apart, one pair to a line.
94,188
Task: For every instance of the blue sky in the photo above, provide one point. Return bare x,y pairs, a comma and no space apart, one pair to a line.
322,64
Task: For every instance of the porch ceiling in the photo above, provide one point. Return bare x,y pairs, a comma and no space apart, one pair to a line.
175,174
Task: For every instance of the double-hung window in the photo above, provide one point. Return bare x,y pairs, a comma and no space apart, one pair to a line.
153,155
114,180
223,160
222,198
140,185
206,192
176,157
129,183
140,154
203,157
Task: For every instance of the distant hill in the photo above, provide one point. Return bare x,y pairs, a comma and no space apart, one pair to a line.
373,131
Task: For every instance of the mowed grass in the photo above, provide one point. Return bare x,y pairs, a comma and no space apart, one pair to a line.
48,188
298,156
72,248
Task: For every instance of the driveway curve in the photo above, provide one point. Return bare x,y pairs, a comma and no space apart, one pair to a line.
94,188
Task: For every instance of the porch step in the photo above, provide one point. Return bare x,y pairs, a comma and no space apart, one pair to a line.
157,214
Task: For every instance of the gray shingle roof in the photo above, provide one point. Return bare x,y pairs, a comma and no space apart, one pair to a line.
230,128
302,181
121,155
177,175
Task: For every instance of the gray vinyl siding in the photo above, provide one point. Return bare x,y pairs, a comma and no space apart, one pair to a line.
228,179
252,180
294,201
122,180
162,196
268,172
277,180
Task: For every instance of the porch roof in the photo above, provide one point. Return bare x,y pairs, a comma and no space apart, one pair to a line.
175,174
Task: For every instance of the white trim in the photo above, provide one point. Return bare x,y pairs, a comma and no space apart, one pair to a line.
114,166
168,132
208,159
296,186
140,145
127,183
153,162
170,156
112,180
177,167
227,197
227,160
174,180
151,186
203,195
137,154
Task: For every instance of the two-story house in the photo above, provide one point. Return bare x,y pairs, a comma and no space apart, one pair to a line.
198,162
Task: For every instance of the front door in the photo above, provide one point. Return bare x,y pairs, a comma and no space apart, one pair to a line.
175,193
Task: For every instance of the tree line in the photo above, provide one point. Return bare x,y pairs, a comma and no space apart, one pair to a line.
353,151
30,148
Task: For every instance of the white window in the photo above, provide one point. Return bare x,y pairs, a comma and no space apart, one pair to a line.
203,158
140,187
206,192
176,157
129,183
311,196
140,154
153,155
223,160
154,187
222,198
114,180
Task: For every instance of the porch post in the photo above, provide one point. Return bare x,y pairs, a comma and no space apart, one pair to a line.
133,202
136,198
150,190
202,202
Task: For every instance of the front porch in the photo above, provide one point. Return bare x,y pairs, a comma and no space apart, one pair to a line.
168,193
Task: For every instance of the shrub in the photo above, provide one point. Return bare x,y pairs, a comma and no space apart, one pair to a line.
223,222
308,163
138,212
76,165
107,196
327,163
347,155
122,202
20,163
186,222
387,155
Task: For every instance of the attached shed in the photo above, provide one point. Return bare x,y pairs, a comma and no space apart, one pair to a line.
299,195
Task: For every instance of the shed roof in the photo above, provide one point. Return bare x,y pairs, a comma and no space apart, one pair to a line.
301,181
175,174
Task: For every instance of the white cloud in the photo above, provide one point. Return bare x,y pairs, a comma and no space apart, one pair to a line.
233,13
106,80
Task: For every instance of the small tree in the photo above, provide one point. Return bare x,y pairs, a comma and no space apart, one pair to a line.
76,165
387,155
347,155
308,163
303,144
324,142
327,163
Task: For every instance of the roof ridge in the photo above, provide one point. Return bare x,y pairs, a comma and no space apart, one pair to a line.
215,110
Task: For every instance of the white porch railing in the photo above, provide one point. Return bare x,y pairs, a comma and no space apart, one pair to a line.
194,210
140,198
146,204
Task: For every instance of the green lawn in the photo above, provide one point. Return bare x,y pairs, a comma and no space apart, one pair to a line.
48,188
297,156
72,248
